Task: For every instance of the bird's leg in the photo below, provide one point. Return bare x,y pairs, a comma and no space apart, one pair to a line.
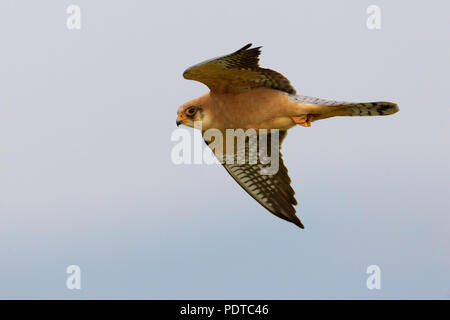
303,120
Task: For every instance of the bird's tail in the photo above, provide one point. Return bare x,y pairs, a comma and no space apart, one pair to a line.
360,109
322,109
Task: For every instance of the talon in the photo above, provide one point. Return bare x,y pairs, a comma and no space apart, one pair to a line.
303,120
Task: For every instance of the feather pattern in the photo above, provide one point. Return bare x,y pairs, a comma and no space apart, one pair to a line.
238,71
271,189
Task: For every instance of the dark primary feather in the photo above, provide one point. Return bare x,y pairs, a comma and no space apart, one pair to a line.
273,192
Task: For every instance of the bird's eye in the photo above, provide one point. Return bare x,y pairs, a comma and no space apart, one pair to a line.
190,111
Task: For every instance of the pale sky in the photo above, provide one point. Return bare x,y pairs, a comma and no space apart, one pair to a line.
86,177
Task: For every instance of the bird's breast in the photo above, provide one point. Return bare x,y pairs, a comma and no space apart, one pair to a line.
259,108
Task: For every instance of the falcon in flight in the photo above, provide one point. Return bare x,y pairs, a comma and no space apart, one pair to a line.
245,96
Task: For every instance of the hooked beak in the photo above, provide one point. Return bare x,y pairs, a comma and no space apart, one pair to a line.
180,119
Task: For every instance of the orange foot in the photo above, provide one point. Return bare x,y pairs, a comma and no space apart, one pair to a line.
303,120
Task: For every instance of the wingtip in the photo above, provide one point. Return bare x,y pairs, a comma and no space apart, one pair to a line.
248,47
186,73
299,224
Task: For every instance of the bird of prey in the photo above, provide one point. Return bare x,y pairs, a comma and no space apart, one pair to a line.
245,96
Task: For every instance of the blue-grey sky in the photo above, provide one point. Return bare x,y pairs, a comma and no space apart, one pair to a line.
86,176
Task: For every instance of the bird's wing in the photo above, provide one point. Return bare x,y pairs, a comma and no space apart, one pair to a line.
273,191
236,72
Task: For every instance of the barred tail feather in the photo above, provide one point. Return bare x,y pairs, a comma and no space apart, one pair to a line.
361,109
371,109
322,108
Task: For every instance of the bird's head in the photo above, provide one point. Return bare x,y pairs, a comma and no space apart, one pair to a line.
191,111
